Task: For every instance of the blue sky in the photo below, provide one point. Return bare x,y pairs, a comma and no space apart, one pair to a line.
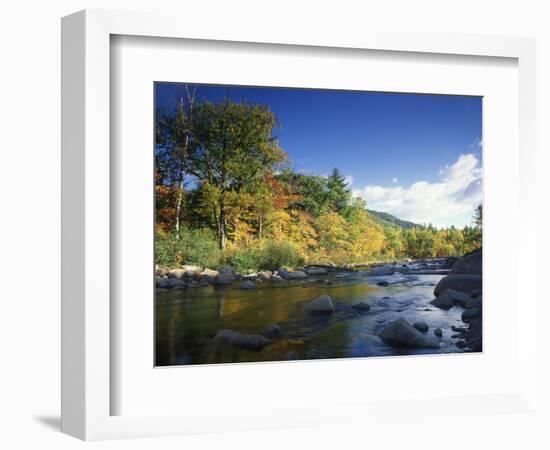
415,156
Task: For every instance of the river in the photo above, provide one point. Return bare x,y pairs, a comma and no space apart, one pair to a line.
187,320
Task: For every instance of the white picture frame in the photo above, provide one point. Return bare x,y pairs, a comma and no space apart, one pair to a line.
86,219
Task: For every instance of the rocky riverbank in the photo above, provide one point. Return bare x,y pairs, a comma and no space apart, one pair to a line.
188,276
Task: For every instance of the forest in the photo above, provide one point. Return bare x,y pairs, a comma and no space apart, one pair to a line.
226,194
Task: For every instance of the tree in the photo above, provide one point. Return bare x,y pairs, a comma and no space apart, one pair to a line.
365,238
226,145
171,162
338,194
478,216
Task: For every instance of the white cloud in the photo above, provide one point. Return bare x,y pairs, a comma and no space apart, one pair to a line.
349,179
449,201
395,180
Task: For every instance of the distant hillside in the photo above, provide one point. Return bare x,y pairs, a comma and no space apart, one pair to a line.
387,219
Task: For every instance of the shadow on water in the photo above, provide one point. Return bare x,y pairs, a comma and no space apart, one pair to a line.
187,320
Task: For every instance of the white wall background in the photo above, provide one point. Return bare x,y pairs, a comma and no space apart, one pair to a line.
30,198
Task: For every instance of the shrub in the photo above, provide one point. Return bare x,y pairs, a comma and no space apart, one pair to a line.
278,254
243,260
270,254
194,246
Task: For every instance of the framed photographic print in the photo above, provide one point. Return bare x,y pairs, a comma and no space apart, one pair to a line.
295,224
253,218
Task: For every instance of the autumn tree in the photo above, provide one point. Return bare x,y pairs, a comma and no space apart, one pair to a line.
227,146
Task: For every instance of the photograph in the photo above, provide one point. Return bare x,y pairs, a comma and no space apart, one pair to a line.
296,224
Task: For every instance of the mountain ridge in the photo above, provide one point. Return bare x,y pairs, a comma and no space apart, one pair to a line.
387,219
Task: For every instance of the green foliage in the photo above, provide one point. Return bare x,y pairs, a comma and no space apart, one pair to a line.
278,254
269,254
246,259
192,246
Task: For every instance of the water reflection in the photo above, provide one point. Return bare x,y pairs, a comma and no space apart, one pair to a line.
187,320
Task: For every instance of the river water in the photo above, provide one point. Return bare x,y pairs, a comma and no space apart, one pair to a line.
187,320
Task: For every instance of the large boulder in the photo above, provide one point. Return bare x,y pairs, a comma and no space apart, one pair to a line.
321,305
469,314
463,283
449,262
444,301
459,298
471,264
401,333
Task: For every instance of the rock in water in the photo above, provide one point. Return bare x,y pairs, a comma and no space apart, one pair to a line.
316,271
473,303
421,326
265,275
471,264
401,333
361,307
476,293
247,285
382,283
321,305
462,283
273,330
438,332
191,268
224,335
210,273
176,273
224,278
297,275
283,273
459,298
276,278
449,262
460,344
470,314
444,301
247,341
170,283
381,270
